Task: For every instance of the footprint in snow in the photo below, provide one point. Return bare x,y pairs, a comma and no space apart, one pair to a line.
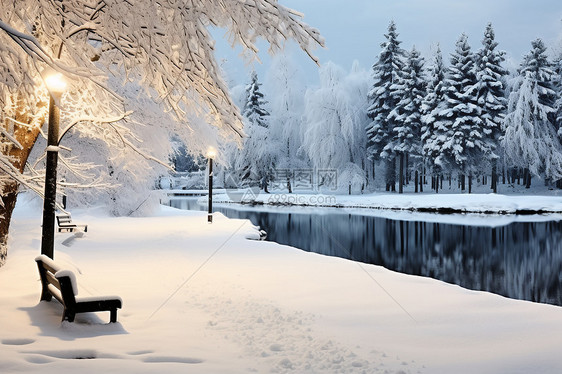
22,341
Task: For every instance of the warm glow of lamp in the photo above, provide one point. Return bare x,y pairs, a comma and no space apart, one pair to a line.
55,83
211,152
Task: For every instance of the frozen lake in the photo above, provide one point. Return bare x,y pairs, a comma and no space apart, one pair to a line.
517,258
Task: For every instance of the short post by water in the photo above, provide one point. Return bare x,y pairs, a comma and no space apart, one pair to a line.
211,153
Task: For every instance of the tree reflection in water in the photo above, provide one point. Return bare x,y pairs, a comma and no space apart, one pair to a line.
521,260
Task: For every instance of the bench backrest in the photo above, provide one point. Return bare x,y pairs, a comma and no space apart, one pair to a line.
64,219
56,282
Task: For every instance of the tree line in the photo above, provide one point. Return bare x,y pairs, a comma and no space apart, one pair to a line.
409,120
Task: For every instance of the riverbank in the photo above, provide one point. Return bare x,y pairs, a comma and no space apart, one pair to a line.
203,298
445,203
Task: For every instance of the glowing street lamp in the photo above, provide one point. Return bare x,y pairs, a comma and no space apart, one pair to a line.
211,153
56,86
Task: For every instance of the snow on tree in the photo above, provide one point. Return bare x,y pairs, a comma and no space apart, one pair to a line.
407,113
383,97
285,124
490,77
465,145
163,46
357,85
434,132
329,139
256,160
558,88
531,140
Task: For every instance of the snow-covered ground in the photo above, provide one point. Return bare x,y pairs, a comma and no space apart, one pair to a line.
202,298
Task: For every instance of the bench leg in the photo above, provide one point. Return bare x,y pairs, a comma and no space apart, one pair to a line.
68,316
113,318
46,295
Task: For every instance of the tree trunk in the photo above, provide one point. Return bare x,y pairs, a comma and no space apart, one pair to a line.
401,175
393,186
503,173
463,182
26,136
407,170
416,181
9,198
373,172
494,184
436,183
470,183
391,175
527,179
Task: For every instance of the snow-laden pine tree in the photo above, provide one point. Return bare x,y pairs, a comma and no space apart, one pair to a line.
490,78
558,88
330,134
407,114
558,104
163,46
256,160
383,98
434,131
464,147
531,140
285,122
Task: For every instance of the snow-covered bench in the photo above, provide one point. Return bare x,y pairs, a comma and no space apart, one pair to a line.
62,285
65,224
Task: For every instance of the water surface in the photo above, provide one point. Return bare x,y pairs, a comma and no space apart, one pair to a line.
521,260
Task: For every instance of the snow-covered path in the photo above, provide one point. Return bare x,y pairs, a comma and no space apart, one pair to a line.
204,299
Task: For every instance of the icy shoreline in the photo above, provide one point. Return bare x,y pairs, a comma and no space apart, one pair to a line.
496,204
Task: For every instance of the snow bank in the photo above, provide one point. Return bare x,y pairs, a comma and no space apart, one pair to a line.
431,202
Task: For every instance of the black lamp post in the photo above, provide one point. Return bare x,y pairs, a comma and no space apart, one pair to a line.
56,86
211,153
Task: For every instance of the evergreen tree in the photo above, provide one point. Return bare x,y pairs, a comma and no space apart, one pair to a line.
383,98
256,161
558,88
408,112
490,76
531,140
254,109
434,131
558,104
464,147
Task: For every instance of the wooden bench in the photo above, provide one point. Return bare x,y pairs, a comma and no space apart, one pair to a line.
62,285
64,222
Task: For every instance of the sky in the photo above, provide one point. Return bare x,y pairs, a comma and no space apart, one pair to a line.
354,29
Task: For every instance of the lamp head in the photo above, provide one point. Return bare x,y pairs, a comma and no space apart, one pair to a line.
211,152
55,83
